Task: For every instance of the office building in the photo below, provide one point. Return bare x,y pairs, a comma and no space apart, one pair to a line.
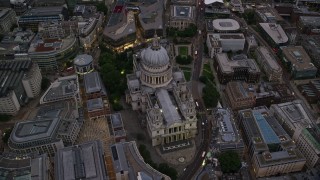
160,91
182,16
312,46
51,29
64,88
271,149
268,94
50,54
240,95
29,166
120,31
20,80
236,69
269,64
309,25
274,34
52,127
217,43
311,91
299,62
15,43
293,116
309,144
32,17
129,164
222,26
89,30
83,64
83,161
7,20
229,137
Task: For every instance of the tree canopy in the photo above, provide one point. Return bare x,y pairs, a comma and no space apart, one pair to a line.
229,161
183,60
210,95
187,32
114,68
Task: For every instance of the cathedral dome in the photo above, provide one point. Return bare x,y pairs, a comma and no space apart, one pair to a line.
155,55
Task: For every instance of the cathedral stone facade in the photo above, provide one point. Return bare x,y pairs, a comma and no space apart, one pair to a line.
160,90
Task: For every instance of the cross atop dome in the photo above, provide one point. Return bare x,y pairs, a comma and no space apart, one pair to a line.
155,42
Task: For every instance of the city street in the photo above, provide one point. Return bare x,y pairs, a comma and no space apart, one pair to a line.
204,126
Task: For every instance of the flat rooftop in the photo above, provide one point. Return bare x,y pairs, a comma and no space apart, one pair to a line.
83,161
226,65
182,11
93,83
27,131
295,113
225,25
269,58
280,157
40,46
61,89
275,31
268,134
229,133
116,120
151,15
170,111
298,57
95,104
43,11
241,89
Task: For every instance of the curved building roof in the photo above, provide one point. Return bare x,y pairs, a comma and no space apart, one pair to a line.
212,1
155,55
83,60
225,25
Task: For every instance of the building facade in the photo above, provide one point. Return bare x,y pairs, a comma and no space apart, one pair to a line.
239,95
32,17
7,20
17,166
237,69
271,149
50,54
269,64
182,16
309,144
161,92
21,80
225,42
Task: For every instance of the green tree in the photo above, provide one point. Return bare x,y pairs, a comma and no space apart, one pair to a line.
45,83
183,60
5,117
6,135
229,161
249,17
166,169
102,8
203,79
210,95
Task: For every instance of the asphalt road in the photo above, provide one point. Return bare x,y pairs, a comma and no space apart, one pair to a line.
203,127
